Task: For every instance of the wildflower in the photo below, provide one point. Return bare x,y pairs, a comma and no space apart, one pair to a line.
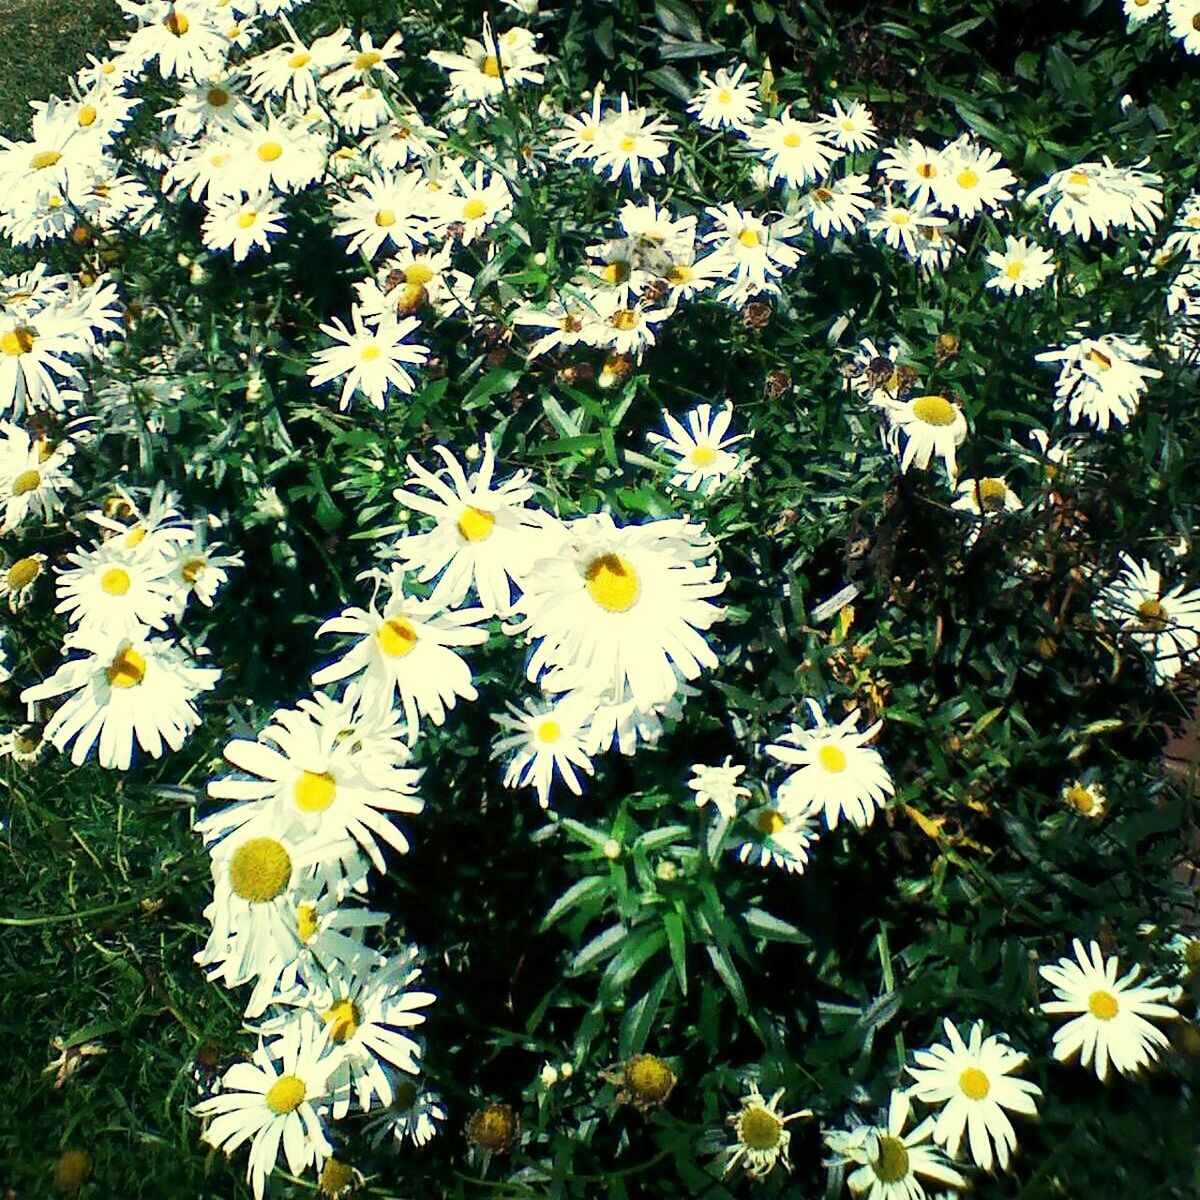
1100,380
628,138
486,67
985,497
240,225
719,786
761,1135
546,739
1094,198
645,1081
838,206
493,1129
850,128
704,460
1086,799
1183,16
930,425
725,100
33,475
796,151
1022,266
414,1115
373,359
781,837
973,179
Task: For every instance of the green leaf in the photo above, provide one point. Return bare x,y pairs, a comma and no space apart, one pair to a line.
764,925
497,382
680,18
598,949
723,965
673,924
670,80
576,894
639,1019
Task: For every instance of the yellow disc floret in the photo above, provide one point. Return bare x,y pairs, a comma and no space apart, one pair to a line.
127,670
343,1020
974,1083
832,758
934,410
286,1095
115,581
314,793
613,583
260,870
759,1128
397,638
27,481
1103,1005
891,1164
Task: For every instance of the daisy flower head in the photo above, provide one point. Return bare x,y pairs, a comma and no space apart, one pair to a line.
900,226
367,62
277,1099
621,606
796,151
780,837
1085,799
1101,380
725,100
916,168
755,253
278,156
1166,626
1183,17
409,650
988,496
930,425
1109,1022
719,786
974,179
198,569
886,1162
545,739
838,205
111,589
486,67
373,358
579,137
1140,11
181,37
761,1135
33,475
293,68
414,1115
1094,198
121,689
393,208
838,774
17,580
627,139
850,129
242,224
703,460
470,203
484,538
1022,266
36,358
972,1084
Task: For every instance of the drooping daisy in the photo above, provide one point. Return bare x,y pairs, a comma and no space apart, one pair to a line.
890,1163
1111,1025
1087,799
796,151
484,538
719,786
1165,625
32,475
486,67
1094,198
725,100
755,252
1100,380
17,580
277,1099
619,606
781,837
545,739
239,225
406,650
761,1137
972,1084
414,1115
1022,266
838,775
373,359
703,458
930,425
121,689
199,569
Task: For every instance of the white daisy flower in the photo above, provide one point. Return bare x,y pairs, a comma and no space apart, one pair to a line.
409,282
33,474
1086,799
395,208
796,151
473,202
719,786
368,62
197,569
1183,16
1094,198
761,1137
972,1085
113,590
890,1163
850,128
1111,1025
704,461
619,606
119,690
839,205
930,425
277,156
277,1099
294,68
725,100
373,359
414,1115
1100,380
754,252
406,651
1165,626
485,68
17,580
838,774
782,838
985,497
181,37
1140,11
579,136
627,138
973,179
546,738
916,168
1022,266
564,317
900,227
35,359
241,224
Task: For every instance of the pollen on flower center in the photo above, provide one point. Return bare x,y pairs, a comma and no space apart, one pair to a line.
1100,359
832,758
759,1128
934,410
616,272
724,96
891,1164
396,638
246,220
927,170
769,821
680,273
1152,615
967,179
17,341
974,1083
491,67
613,583
299,60
898,217
1102,1005
286,1095
192,570
822,194
703,456
115,581
1079,179
23,572
549,731
624,319
367,59
270,151
627,144
749,237
127,670
418,273
314,792
260,870
343,1020
27,481
87,116
307,922
476,524
385,218
177,23
217,97
992,494
474,209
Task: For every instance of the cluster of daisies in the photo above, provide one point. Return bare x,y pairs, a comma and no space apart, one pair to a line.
1180,19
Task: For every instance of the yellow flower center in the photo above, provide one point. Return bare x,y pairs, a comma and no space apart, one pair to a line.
832,758
17,341
299,60
286,1095
898,217
192,570
307,922
1100,359
260,870
822,195
23,572
491,67
792,140
1102,1005
385,218
473,209
934,410
1080,798
27,481
759,1128
927,170
176,23
967,179
217,97
993,493
396,638
115,581
418,273
613,583
703,456
769,821
1014,268
370,352
476,524
680,273
127,670
246,220
270,151
724,96
891,1164
367,59
549,731
342,1019
314,793
624,319
749,237
616,272
1078,179
1152,615
87,116
649,1078
974,1083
